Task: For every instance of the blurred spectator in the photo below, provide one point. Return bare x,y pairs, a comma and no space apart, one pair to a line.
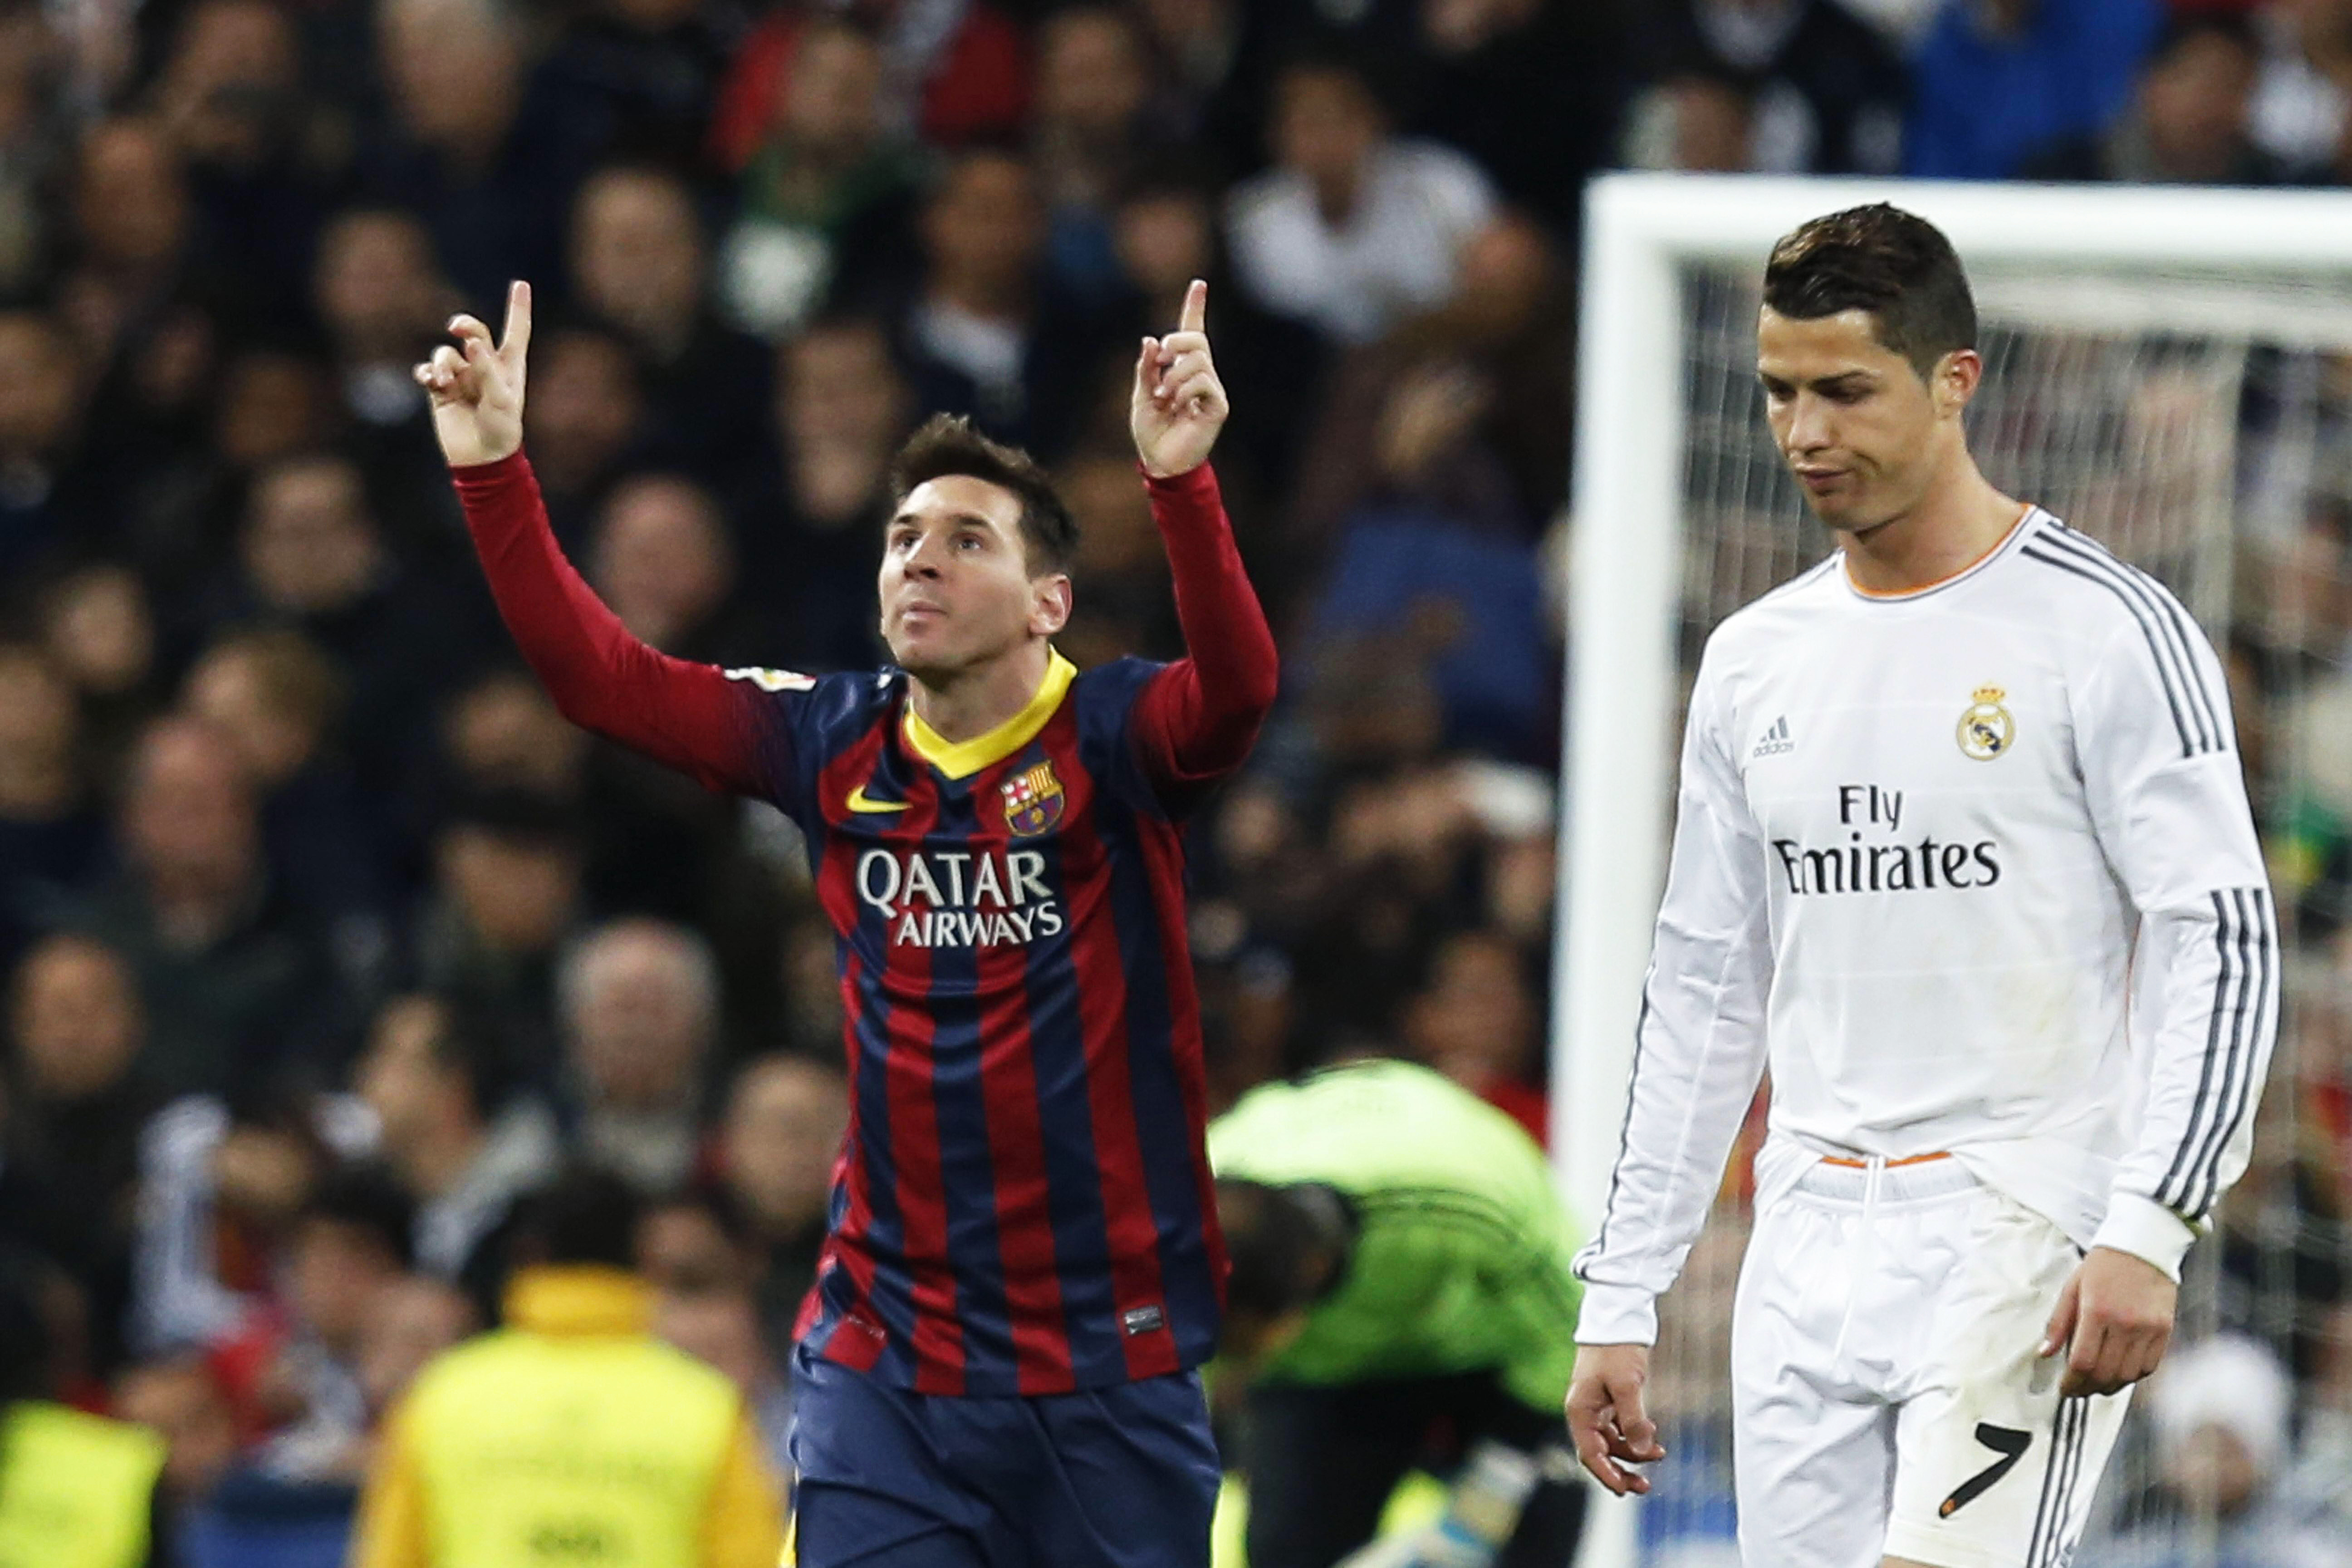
51,837
841,410
1821,91
640,1002
2186,123
280,702
502,735
232,98
75,1108
661,559
1165,230
181,1401
133,231
1353,227
223,1183
638,264
229,969
827,198
1995,79
987,330
79,1489
781,1132
415,1317
2283,1237
311,555
1530,89
43,489
489,163
458,1135
691,1250
953,72
505,895
2222,1410
1476,1020
2304,88
587,409
571,1378
99,634
644,72
1212,59
1089,134
34,136
383,300
1457,408
1127,608
349,1248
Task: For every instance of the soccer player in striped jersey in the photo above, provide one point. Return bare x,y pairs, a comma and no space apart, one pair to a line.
1963,854
1024,1266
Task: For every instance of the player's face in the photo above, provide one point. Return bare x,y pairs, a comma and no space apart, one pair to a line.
956,588
1853,419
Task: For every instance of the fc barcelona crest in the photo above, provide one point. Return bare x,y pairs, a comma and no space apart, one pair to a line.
1032,801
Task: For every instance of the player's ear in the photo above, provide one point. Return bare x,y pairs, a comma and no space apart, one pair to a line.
1957,377
1049,604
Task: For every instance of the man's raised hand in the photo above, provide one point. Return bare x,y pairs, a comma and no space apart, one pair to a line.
1179,405
476,385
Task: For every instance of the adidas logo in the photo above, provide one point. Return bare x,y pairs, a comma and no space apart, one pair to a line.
1774,741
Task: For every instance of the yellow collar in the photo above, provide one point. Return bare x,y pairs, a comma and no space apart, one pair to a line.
961,759
578,1298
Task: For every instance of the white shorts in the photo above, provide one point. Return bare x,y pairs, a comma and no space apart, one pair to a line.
1888,1398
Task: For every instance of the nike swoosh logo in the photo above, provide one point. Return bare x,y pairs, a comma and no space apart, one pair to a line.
860,801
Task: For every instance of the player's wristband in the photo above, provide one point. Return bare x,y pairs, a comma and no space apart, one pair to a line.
2148,1230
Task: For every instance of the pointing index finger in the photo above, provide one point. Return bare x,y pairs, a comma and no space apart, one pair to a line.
515,337
1195,318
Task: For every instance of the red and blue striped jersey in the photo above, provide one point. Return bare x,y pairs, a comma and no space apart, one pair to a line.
1023,1205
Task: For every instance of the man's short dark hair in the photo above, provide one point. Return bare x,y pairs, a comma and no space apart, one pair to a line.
365,1196
1894,264
1287,1245
947,444
587,1214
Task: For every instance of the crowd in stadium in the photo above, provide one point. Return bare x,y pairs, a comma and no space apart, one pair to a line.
325,937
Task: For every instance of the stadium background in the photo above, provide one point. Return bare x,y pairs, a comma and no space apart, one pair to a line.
308,898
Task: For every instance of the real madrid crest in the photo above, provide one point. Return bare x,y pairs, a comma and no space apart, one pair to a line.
1987,728
1032,801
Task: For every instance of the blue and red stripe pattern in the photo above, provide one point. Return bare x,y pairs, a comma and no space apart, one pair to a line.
1023,1205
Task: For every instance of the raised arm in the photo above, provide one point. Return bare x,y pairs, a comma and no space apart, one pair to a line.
1198,717
692,717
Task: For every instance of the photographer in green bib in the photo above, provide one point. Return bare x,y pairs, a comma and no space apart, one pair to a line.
1399,1300
75,1490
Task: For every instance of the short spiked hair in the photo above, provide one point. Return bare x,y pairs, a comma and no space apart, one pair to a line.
947,444
1894,264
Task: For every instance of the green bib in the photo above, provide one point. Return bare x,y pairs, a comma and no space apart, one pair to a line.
591,1451
76,1491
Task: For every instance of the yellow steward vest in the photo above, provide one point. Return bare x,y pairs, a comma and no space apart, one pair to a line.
568,1450
75,1490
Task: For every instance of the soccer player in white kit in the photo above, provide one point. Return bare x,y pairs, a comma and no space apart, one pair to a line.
1963,853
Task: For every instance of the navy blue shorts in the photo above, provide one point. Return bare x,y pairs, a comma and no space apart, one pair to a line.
1123,1477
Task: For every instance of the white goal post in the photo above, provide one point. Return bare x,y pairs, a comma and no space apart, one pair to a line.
2269,264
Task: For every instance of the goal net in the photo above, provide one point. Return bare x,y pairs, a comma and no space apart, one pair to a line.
2169,372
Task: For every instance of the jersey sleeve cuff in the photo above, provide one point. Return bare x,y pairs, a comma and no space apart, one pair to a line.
1617,1315
2148,1230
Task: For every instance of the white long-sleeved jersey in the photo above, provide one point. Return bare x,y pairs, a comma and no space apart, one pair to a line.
1972,870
